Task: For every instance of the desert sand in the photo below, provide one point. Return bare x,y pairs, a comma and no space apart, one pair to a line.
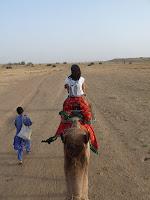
120,95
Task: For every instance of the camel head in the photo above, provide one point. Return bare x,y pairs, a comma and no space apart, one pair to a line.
75,141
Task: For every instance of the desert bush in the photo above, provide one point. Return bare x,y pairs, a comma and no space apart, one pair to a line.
22,63
8,67
64,63
30,64
90,64
53,65
100,63
49,64
130,63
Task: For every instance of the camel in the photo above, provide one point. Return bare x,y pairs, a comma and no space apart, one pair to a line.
76,161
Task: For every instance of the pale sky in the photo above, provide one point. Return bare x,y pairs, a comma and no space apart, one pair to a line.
73,30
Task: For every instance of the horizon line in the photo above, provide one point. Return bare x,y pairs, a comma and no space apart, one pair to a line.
70,62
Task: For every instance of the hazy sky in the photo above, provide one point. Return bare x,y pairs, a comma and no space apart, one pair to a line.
73,30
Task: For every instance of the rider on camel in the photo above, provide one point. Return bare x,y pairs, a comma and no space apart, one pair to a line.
76,104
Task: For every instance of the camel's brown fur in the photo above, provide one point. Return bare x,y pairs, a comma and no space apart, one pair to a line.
77,154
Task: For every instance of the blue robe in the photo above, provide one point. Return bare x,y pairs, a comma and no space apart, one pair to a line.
19,143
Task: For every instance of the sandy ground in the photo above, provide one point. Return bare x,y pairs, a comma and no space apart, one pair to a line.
120,95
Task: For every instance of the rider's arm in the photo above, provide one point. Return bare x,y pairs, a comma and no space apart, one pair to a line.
66,86
84,87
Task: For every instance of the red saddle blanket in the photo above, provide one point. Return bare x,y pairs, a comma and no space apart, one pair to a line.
87,127
78,103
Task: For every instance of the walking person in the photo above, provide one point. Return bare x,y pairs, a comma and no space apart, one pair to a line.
19,143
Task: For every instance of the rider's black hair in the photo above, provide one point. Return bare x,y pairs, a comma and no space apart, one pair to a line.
75,72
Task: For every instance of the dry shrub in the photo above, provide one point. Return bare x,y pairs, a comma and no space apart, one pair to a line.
90,64
8,67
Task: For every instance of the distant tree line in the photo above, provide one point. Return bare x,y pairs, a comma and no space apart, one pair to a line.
10,65
21,63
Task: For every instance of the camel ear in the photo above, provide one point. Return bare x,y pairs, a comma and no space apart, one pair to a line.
86,138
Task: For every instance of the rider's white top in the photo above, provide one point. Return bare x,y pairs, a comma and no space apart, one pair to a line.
75,87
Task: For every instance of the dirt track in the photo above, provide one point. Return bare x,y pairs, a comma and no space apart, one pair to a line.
120,96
